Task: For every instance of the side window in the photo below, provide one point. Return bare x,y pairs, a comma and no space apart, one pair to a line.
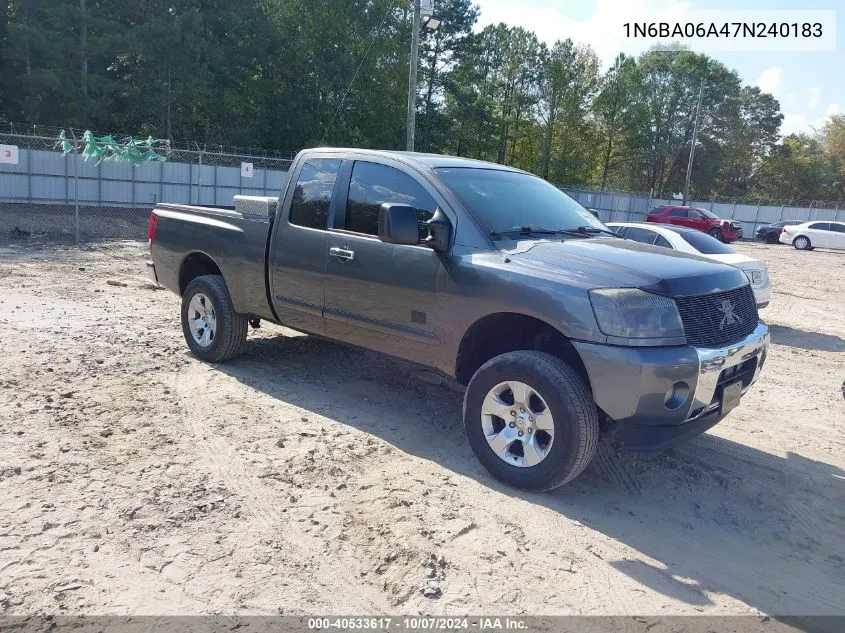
372,185
639,235
313,193
678,213
619,230
695,215
662,241
820,226
838,228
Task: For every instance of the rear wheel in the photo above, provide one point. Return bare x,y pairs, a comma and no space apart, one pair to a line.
213,330
802,243
717,233
530,420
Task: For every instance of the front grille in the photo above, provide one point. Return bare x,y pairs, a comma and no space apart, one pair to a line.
719,318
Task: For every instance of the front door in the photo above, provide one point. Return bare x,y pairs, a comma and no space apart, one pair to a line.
837,235
819,234
382,296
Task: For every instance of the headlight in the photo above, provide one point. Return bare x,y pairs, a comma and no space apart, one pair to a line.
632,313
756,277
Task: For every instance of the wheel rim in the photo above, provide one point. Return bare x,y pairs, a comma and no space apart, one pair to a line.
202,320
517,424
801,242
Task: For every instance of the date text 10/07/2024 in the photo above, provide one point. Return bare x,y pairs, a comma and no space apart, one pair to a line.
418,623
736,30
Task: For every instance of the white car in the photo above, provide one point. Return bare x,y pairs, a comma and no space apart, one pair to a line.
814,235
688,240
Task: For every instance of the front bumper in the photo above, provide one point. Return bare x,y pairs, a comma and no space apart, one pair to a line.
663,395
762,294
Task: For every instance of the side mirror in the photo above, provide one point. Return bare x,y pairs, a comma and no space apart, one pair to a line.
398,224
439,232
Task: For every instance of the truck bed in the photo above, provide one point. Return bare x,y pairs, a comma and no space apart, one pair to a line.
235,241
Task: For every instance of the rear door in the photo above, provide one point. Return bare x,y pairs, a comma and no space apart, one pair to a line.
382,296
297,264
678,216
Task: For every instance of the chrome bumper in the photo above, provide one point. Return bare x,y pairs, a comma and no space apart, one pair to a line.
712,362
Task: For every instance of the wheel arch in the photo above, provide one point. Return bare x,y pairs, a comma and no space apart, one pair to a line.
195,265
502,332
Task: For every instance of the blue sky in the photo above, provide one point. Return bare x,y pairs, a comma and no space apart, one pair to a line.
809,85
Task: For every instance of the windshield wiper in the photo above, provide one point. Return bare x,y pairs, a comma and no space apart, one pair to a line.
581,231
596,229
530,230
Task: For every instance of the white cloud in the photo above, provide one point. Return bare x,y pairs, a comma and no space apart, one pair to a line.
794,122
815,95
770,79
603,30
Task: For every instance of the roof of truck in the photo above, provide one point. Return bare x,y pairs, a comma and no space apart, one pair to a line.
419,158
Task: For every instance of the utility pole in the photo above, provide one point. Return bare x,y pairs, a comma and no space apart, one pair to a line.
412,80
694,139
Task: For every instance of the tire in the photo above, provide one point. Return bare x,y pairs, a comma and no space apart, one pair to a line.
772,238
717,233
561,392
224,334
802,243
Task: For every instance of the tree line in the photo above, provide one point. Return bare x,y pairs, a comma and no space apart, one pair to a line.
279,74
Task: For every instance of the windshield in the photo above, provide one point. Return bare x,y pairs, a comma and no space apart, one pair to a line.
707,214
506,201
704,244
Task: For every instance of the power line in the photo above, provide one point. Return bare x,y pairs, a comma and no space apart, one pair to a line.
357,70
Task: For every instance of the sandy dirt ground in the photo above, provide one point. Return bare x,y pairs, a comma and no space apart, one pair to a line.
309,478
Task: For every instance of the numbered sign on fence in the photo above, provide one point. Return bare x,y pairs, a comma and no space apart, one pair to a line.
9,154
247,170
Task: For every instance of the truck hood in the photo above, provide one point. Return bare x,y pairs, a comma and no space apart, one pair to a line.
612,262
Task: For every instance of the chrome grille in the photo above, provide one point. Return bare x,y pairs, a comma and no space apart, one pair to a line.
719,318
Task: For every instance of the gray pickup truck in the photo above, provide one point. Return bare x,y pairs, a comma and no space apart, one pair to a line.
559,329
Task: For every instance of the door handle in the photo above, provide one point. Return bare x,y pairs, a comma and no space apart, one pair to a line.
341,253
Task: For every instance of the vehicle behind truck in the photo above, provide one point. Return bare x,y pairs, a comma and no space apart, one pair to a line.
559,329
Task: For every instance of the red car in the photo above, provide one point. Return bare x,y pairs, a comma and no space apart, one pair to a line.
700,219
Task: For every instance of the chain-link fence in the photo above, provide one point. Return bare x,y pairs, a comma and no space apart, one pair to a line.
44,192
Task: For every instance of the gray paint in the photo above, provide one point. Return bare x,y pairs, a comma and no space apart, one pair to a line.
375,300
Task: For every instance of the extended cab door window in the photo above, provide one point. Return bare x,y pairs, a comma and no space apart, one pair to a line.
312,196
371,186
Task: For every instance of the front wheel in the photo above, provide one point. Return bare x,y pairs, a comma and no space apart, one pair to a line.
530,420
213,330
717,233
772,238
802,243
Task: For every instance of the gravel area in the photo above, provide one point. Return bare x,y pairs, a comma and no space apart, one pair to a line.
306,477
